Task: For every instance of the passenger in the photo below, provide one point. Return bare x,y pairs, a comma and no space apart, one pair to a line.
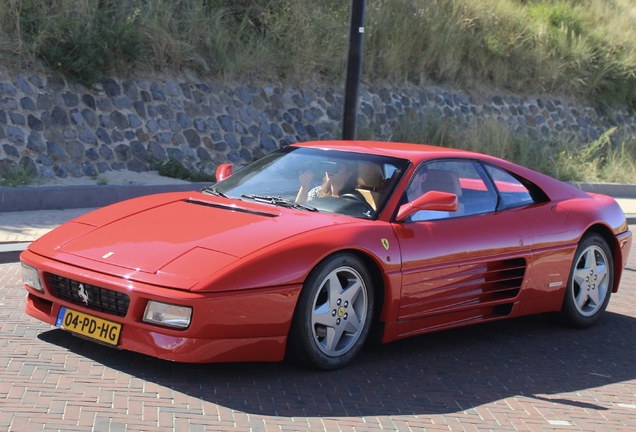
343,180
416,189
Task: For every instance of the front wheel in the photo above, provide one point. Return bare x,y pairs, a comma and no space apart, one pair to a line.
333,315
590,283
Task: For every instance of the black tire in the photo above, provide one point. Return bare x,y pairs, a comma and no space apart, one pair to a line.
333,315
590,283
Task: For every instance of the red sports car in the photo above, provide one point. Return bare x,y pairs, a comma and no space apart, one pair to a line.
319,247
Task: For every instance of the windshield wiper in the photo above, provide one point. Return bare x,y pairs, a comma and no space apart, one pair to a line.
211,190
279,201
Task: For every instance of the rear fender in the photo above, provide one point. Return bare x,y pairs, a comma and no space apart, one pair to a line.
620,246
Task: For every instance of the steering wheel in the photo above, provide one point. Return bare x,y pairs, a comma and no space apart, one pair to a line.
359,199
352,206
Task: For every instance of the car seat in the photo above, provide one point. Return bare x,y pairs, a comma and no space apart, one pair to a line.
444,181
370,183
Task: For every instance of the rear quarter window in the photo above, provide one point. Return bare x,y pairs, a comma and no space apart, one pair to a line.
512,192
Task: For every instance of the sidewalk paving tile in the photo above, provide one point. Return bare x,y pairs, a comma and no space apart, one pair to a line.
522,374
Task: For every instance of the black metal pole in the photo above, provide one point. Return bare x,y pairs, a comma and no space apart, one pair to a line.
354,70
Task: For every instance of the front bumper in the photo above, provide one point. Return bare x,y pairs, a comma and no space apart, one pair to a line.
246,325
624,246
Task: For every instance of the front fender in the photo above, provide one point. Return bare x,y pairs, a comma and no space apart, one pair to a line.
290,260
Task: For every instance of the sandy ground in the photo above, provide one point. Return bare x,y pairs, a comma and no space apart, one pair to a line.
112,178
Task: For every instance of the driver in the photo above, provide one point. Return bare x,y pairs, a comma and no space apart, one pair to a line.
342,180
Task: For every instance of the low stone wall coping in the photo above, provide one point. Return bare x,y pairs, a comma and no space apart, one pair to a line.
14,199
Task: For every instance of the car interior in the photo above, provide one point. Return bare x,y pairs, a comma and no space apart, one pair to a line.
370,183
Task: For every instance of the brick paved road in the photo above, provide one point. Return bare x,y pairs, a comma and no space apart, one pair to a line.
523,374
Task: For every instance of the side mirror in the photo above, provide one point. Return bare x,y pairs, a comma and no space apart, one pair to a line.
432,200
223,171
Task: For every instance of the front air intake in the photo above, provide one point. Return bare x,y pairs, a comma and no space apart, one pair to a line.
99,299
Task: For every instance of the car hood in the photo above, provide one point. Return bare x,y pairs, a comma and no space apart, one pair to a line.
183,239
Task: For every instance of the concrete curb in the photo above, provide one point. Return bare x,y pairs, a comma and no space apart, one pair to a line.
29,198
10,252
15,199
68,197
616,190
631,219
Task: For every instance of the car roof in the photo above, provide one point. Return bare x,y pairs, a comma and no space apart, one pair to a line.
413,152
418,153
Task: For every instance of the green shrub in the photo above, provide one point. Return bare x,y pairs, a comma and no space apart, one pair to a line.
85,43
17,175
173,168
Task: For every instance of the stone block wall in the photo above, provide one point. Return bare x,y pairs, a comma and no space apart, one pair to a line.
60,128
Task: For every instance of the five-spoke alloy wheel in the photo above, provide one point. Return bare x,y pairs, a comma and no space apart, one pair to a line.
590,283
334,313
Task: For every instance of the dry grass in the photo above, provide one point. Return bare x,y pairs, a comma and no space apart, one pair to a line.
579,48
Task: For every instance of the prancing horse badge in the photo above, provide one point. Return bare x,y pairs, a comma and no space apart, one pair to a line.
83,294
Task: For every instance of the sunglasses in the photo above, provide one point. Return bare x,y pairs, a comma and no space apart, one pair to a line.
333,167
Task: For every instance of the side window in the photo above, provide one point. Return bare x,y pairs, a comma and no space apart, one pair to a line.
466,179
512,192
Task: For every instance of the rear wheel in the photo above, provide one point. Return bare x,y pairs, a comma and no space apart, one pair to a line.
590,283
333,315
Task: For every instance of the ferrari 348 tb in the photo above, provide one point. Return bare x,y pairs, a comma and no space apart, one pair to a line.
317,248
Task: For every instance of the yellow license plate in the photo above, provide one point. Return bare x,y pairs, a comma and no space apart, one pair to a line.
88,325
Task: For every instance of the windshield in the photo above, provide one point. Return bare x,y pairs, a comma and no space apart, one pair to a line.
311,179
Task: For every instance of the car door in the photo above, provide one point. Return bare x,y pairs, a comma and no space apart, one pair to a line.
464,266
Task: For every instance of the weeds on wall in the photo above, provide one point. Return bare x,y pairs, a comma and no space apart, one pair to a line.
603,160
13,176
173,168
